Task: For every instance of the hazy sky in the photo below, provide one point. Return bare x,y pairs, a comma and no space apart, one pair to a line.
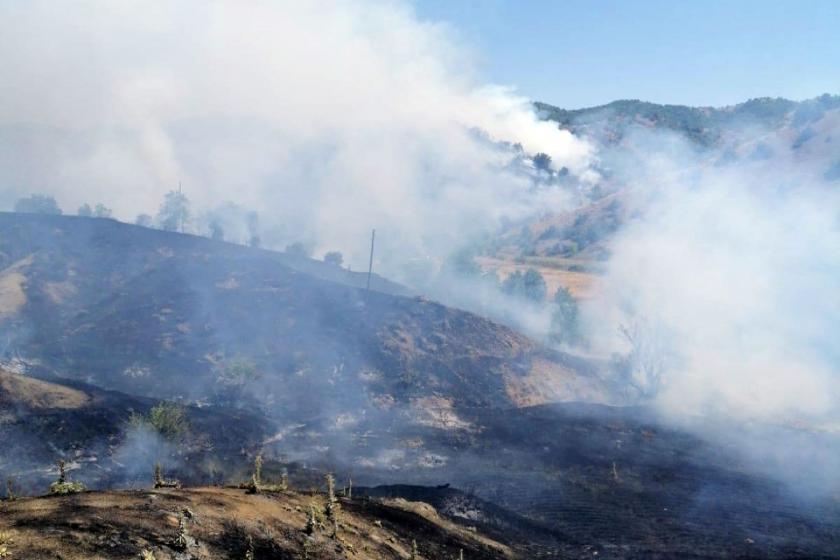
576,53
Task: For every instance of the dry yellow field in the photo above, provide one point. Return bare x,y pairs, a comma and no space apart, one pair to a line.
555,272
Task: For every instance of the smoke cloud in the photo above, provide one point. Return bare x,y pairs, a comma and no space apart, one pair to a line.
726,277
330,118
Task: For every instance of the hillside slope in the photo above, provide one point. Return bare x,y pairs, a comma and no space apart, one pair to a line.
161,315
164,316
219,523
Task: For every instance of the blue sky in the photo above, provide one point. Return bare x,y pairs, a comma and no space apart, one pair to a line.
577,53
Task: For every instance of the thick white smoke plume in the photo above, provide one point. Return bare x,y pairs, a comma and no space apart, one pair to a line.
727,277
330,118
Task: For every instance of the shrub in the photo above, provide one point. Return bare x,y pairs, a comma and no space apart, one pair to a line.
334,258
62,486
233,380
169,420
297,250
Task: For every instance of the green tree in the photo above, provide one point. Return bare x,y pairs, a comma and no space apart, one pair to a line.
85,210
102,211
174,211
542,161
565,323
462,263
37,204
529,285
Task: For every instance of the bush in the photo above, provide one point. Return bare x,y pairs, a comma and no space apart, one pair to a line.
143,220
297,250
62,486
334,258
169,420
234,379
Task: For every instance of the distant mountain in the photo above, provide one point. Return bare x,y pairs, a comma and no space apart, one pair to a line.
704,125
795,135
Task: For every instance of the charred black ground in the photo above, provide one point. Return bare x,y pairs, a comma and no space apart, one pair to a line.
101,320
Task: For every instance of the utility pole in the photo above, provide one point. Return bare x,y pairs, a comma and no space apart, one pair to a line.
370,265
180,211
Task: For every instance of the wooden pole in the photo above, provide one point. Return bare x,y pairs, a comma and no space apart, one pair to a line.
370,265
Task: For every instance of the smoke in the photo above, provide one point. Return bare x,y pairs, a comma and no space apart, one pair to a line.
330,118
725,284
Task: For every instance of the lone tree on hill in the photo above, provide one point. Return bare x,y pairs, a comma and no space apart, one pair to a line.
174,211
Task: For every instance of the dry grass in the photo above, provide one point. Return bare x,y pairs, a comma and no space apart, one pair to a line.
547,382
554,271
110,525
37,394
12,283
